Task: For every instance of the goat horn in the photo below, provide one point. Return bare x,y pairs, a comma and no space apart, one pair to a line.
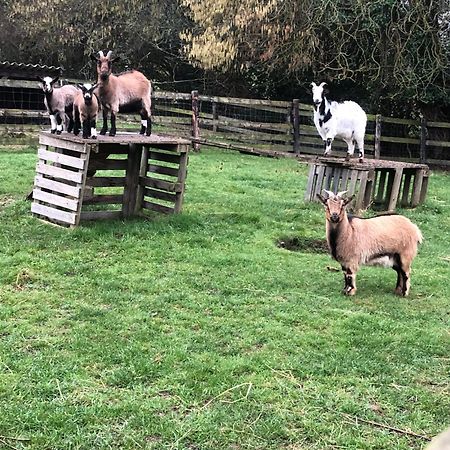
109,54
101,54
340,194
329,193
322,84
313,84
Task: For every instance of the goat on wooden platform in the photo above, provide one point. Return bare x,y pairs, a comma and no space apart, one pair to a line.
345,120
389,240
59,104
85,110
126,92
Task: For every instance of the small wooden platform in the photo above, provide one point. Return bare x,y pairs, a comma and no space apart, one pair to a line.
77,179
378,183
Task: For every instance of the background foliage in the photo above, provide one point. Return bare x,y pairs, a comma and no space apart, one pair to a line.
392,55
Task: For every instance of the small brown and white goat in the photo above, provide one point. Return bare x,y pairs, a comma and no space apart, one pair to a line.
389,240
126,92
85,109
59,104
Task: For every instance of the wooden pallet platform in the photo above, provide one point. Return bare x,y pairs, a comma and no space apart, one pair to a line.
378,183
109,177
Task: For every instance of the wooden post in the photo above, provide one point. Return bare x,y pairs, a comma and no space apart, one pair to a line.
195,115
215,116
377,143
296,125
423,140
130,191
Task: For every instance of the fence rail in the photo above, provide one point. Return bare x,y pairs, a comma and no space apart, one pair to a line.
253,125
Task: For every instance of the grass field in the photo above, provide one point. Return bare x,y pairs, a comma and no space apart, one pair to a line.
198,332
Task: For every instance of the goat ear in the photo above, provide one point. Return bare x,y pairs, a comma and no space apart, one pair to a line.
313,84
55,79
348,200
39,78
79,86
322,199
116,58
94,87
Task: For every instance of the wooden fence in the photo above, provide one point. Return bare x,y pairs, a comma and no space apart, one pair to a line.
256,126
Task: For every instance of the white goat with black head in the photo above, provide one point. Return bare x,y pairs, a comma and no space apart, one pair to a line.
389,241
126,92
85,109
59,104
345,120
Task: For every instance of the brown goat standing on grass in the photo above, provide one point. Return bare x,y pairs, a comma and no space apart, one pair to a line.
389,241
126,92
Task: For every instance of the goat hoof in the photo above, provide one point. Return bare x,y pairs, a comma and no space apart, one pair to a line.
112,134
53,131
58,132
148,134
93,137
361,160
347,158
349,291
103,132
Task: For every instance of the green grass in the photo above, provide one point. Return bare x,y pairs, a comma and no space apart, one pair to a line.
197,332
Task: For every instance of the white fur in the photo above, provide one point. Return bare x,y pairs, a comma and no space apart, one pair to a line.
348,121
53,121
144,122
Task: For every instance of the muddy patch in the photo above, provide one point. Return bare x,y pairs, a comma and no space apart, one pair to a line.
303,244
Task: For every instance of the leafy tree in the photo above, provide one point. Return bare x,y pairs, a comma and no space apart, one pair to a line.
66,32
397,49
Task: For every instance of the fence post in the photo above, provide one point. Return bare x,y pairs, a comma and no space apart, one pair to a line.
377,142
214,115
296,125
423,140
195,115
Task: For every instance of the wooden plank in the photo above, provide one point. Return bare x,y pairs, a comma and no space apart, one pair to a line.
182,173
160,184
105,181
142,173
48,139
108,164
353,181
53,213
108,199
163,170
359,203
161,195
328,178
336,178
57,172
344,180
400,140
131,180
423,191
310,183
57,200
370,184
417,188
431,143
73,191
406,188
377,143
381,185
165,157
319,180
395,189
157,207
59,158
94,215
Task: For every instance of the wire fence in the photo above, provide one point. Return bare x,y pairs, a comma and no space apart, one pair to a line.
249,125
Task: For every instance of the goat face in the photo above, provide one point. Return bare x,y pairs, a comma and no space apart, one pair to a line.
104,64
47,83
335,205
87,90
318,92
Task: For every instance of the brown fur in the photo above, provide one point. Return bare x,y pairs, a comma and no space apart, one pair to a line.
115,91
384,240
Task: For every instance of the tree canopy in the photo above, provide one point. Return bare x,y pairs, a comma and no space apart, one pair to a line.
392,54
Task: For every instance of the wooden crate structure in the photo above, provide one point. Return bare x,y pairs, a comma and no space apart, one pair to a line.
377,183
109,177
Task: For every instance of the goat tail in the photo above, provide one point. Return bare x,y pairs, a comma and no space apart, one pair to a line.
419,234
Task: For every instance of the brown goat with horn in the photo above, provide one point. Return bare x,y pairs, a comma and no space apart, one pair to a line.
389,241
126,92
